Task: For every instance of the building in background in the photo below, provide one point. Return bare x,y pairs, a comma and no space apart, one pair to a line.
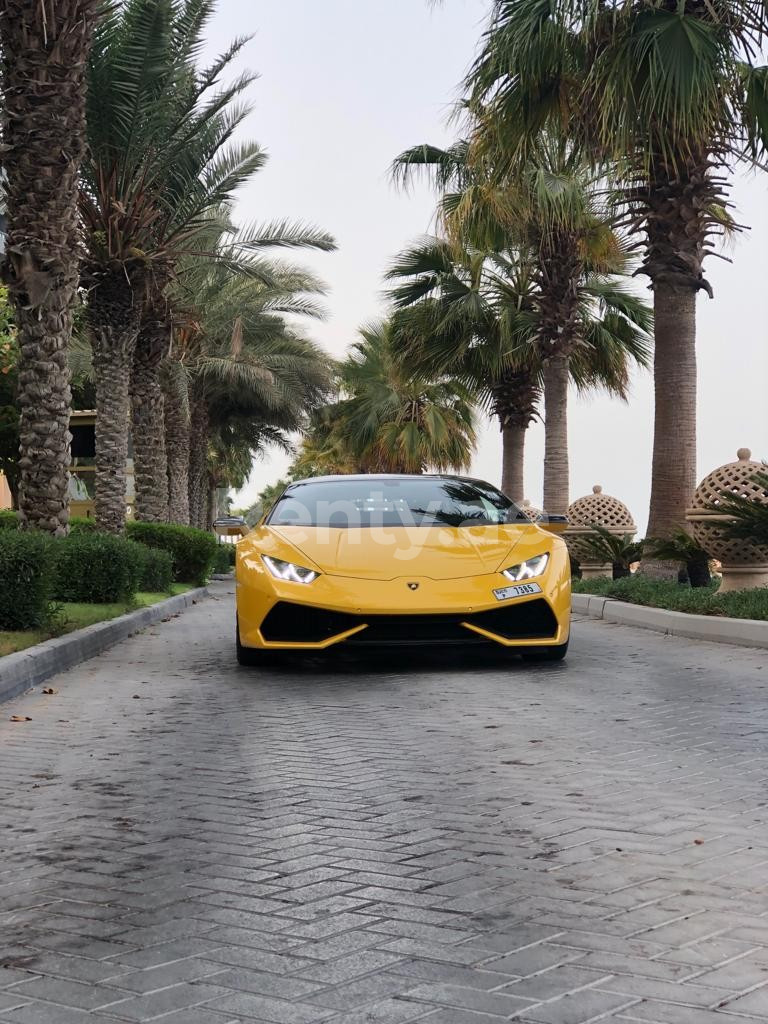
82,426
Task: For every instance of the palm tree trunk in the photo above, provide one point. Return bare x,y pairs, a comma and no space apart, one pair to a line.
210,509
556,485
674,433
45,51
113,313
177,454
512,461
515,399
198,458
149,458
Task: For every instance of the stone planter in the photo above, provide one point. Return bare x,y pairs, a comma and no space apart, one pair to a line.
595,509
744,564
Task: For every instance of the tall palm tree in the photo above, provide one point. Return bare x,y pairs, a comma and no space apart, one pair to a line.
470,314
666,95
224,257
396,419
161,171
473,314
45,48
547,214
235,359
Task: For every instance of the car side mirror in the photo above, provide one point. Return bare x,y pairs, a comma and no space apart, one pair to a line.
553,524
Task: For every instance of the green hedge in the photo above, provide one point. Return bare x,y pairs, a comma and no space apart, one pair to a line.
679,597
9,520
156,569
96,568
193,551
25,572
224,558
81,524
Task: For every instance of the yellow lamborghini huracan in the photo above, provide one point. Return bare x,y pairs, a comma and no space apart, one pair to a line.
385,560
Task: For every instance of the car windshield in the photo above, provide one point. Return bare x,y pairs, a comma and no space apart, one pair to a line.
393,501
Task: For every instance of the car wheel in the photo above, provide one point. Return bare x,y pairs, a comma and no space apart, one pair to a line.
547,653
247,656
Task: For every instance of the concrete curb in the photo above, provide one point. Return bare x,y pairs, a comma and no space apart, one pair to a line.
21,671
742,632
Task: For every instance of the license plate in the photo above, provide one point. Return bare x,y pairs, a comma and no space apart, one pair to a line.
521,590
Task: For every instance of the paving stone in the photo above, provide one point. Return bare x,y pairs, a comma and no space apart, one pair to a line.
668,1013
557,981
378,842
249,1005
500,1004
155,1004
361,991
337,972
755,1003
68,993
280,986
587,1005
388,1011
44,1013
685,993
154,978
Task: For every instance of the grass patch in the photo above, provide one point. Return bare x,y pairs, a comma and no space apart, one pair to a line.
676,597
70,616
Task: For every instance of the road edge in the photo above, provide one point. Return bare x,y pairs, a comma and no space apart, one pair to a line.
713,628
21,671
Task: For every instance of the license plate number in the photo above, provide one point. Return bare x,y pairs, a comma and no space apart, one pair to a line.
521,590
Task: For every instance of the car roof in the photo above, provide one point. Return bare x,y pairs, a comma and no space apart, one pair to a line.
346,477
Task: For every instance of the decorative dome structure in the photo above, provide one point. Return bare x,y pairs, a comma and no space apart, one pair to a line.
595,509
530,511
744,563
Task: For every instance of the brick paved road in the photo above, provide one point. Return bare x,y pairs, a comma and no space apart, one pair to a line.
189,842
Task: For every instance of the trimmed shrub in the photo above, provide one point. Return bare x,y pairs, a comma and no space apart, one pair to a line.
224,561
9,520
736,604
156,569
26,579
193,551
81,524
96,568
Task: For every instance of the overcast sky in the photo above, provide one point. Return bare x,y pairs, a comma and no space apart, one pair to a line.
345,86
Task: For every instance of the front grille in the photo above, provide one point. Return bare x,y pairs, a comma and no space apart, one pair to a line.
531,620
301,623
298,623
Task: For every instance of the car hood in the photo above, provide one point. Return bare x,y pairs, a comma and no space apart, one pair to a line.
386,553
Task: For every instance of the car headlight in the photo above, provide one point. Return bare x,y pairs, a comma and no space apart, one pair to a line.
288,571
527,570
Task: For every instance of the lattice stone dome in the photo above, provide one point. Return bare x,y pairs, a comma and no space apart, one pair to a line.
530,511
734,478
595,509
603,510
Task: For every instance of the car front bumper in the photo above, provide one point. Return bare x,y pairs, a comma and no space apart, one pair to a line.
333,610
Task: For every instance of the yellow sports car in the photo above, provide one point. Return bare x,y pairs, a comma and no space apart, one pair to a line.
365,561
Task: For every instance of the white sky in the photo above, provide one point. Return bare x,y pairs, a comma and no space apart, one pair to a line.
348,84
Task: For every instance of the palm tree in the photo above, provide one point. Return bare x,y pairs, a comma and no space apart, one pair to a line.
547,213
470,314
396,419
234,359
224,256
161,172
664,95
44,52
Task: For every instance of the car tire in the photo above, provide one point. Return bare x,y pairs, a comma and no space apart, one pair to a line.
547,653
246,656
